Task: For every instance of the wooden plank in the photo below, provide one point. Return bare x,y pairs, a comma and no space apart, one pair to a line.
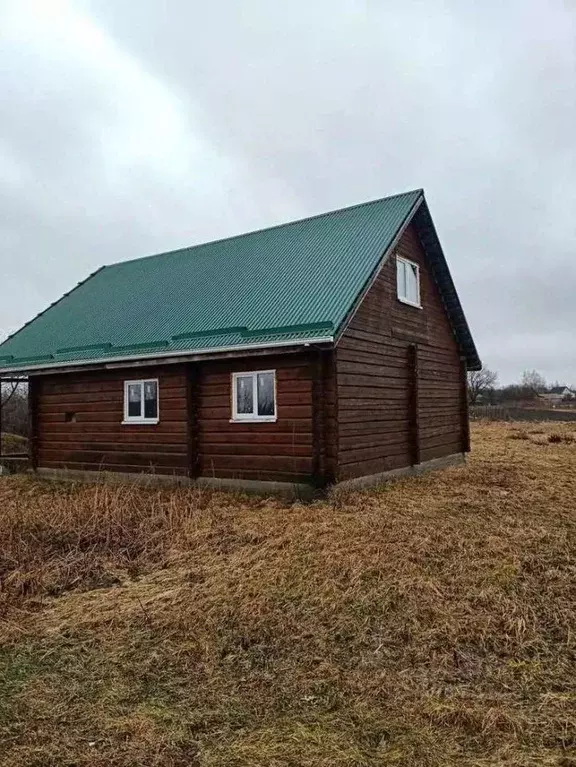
221,388
414,405
95,384
163,431
288,412
62,433
397,460
379,445
465,412
439,451
122,468
354,380
253,448
262,464
428,432
285,399
108,406
360,428
393,399
112,447
316,373
193,390
112,417
267,475
370,392
282,426
271,438
153,459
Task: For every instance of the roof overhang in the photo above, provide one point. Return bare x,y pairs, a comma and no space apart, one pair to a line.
140,360
422,221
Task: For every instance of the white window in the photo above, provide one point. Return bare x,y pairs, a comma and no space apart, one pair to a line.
141,401
408,279
254,396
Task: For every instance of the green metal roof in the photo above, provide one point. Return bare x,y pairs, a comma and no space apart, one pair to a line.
284,284
287,284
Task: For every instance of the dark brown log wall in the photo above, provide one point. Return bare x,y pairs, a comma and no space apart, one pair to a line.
281,451
97,439
195,435
375,360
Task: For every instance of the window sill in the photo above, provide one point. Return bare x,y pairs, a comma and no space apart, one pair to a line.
409,303
262,419
141,422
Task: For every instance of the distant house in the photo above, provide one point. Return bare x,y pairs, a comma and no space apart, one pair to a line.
558,394
325,350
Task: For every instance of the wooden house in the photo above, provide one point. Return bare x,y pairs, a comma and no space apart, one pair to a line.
556,395
331,349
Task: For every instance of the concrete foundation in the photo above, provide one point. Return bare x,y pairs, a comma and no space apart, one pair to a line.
373,480
283,489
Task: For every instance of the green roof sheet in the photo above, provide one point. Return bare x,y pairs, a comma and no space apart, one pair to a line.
284,284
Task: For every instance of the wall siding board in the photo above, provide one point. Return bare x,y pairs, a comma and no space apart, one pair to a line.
98,439
281,451
194,436
376,404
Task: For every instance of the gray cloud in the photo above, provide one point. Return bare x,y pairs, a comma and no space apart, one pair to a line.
184,122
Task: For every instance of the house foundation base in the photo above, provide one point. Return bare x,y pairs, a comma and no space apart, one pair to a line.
373,480
292,491
283,489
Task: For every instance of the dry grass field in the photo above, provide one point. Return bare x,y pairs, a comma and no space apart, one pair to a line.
13,443
429,623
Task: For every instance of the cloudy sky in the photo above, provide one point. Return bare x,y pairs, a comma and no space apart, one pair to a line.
128,128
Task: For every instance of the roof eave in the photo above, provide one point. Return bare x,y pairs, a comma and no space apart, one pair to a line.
426,230
187,354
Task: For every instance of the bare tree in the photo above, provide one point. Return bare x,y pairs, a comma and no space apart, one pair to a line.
14,407
534,381
480,382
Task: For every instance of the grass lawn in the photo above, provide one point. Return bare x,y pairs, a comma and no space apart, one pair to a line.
429,623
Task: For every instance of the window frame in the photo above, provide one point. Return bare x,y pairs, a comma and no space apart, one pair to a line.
141,420
252,417
406,262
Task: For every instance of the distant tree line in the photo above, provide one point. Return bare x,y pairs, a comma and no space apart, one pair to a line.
483,387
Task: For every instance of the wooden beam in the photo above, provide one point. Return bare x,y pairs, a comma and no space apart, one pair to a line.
414,411
192,404
178,359
465,412
318,420
33,392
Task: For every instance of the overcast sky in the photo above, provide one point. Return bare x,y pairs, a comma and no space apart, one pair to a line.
128,128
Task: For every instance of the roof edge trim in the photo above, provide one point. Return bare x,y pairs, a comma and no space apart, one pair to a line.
166,355
59,300
380,265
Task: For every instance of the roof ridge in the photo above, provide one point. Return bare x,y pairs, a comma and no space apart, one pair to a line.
419,191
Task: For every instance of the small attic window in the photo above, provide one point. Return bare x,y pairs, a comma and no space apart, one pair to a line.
70,416
408,282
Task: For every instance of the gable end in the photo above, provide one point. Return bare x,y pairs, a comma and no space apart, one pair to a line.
420,220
